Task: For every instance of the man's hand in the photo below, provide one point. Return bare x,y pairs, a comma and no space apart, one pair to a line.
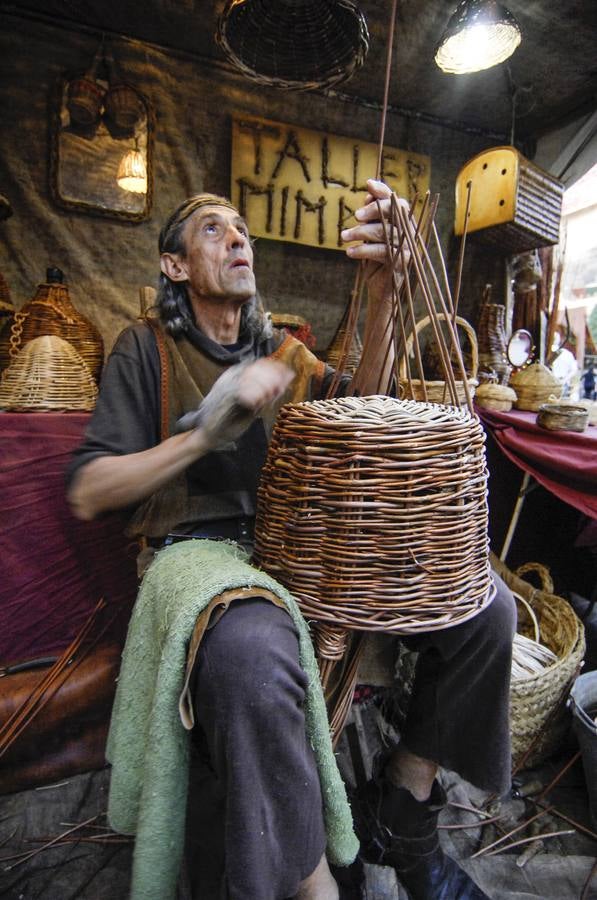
373,249
236,398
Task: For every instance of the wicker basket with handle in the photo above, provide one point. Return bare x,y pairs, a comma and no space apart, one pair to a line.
435,391
538,715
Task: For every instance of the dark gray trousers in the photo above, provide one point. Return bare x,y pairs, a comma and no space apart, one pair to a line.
255,802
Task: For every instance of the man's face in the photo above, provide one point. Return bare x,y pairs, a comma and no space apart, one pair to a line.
219,256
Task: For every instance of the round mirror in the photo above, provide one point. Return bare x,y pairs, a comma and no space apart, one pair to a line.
520,348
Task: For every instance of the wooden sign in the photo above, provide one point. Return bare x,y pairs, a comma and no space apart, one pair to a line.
294,184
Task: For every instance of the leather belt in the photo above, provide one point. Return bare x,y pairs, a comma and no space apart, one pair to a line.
241,530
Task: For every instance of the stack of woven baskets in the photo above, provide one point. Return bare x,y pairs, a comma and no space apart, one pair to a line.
51,355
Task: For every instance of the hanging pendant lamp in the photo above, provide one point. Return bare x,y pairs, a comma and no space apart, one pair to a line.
480,34
294,44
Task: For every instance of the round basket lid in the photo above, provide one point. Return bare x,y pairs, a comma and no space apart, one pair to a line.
47,374
294,44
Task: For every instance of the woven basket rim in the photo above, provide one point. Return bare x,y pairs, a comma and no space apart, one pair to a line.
320,76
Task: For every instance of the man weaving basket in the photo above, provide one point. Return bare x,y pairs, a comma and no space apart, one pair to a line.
211,365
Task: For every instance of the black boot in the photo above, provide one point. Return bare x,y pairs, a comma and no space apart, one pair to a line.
397,830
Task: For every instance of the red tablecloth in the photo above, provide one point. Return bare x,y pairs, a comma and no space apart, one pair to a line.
53,569
564,462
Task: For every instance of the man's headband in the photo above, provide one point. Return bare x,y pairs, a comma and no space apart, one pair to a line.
186,209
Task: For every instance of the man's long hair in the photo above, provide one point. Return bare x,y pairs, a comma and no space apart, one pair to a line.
172,296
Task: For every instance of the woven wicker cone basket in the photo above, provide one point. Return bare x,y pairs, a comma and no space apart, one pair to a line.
537,702
52,312
47,375
437,392
372,512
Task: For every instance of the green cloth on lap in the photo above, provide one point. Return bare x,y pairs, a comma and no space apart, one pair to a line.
148,746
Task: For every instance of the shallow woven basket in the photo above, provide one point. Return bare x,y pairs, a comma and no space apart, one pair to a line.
294,44
436,391
373,512
47,375
537,702
563,418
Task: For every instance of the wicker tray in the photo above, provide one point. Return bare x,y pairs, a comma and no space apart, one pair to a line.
537,709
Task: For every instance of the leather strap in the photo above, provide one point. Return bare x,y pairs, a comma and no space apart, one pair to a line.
164,386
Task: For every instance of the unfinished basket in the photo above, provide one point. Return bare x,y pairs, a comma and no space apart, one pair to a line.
538,714
436,391
47,375
373,512
51,311
294,44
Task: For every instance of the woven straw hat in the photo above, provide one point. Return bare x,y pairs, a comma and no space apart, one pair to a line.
47,375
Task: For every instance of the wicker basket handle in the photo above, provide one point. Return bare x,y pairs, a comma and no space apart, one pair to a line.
466,326
543,573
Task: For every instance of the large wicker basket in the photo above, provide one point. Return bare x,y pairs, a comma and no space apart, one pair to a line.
436,391
538,712
373,512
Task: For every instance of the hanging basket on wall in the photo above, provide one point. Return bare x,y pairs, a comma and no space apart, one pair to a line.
294,44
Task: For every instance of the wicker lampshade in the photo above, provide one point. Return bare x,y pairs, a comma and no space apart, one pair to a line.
132,173
47,375
480,34
294,44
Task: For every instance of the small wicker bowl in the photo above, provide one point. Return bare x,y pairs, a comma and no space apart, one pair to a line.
47,375
557,417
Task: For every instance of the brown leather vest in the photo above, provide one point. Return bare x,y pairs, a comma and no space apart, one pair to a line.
191,375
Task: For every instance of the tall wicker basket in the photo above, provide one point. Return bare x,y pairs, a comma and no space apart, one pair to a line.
51,311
